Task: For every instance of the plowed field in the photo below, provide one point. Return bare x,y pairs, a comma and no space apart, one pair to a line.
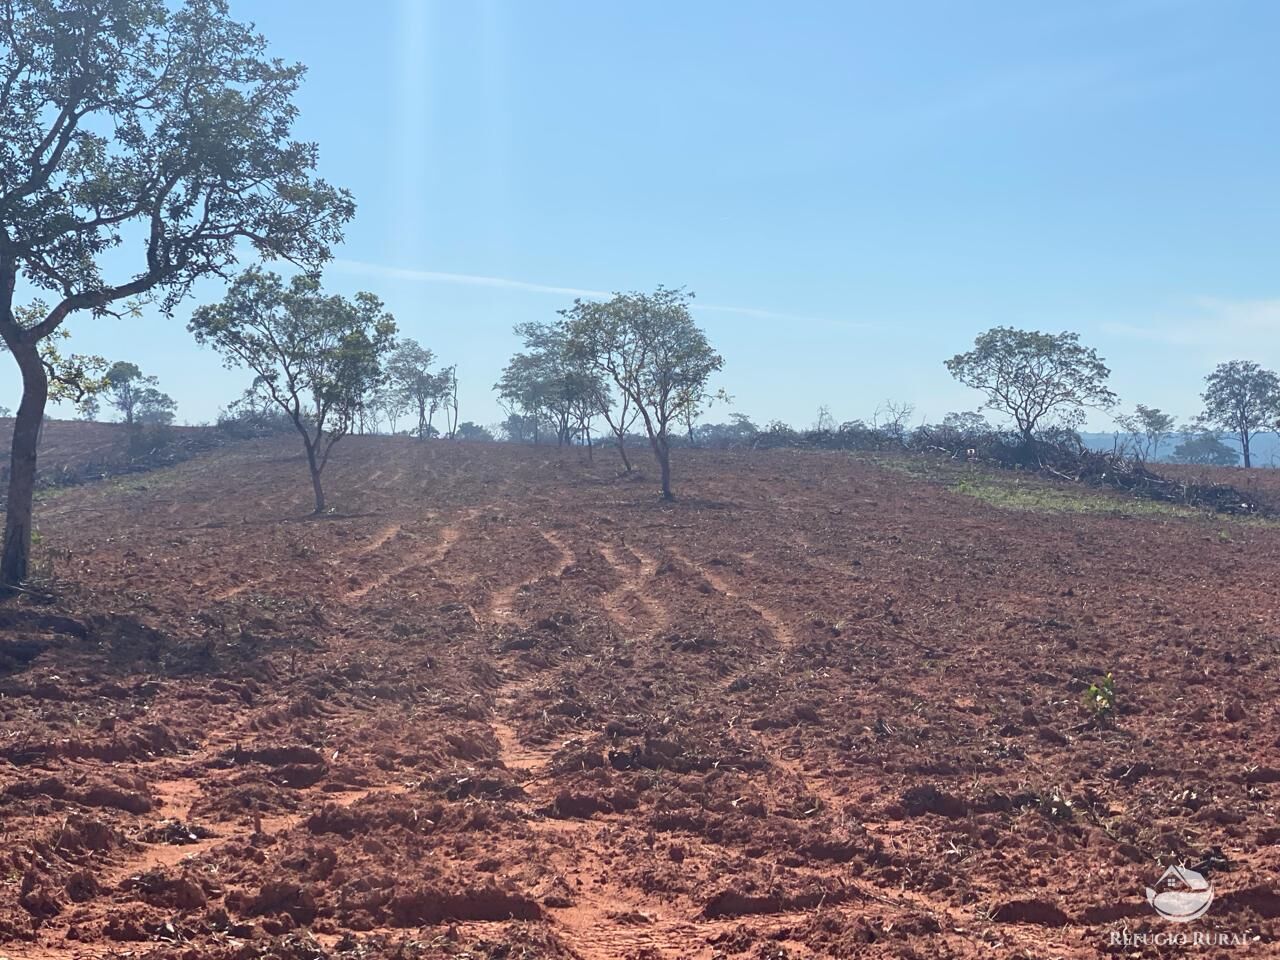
507,704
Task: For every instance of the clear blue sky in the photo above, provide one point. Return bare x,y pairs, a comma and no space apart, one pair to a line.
866,185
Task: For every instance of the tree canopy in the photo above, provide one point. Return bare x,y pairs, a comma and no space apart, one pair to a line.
317,356
142,126
1243,399
648,346
1032,376
136,396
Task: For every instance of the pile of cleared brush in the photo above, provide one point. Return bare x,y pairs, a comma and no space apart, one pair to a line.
1117,472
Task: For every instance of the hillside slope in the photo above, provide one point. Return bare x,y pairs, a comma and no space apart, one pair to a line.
507,704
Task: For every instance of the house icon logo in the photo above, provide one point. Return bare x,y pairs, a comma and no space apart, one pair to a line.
1181,895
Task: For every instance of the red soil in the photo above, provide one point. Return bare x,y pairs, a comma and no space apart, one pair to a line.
509,705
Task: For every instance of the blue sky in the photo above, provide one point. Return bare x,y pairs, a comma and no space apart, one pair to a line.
854,190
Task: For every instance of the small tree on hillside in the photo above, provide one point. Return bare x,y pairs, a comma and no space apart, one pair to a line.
1033,376
137,397
410,378
448,399
547,380
1149,428
317,357
146,128
1242,399
648,346
1204,449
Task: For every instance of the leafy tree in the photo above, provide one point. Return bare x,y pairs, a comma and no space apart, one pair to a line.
448,378
521,429
137,125
1205,449
473,431
548,381
1031,376
740,431
1241,399
137,397
410,380
650,349
1149,427
318,357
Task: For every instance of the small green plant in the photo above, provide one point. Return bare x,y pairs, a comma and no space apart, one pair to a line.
1100,698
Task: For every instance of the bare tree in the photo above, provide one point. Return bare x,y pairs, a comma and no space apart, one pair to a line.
891,417
1148,429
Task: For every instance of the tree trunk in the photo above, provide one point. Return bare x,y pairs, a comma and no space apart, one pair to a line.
664,461
22,476
622,452
314,466
1244,446
315,480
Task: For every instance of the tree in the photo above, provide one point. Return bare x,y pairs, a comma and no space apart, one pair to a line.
473,431
448,378
132,124
318,357
137,397
1149,427
1205,449
519,429
648,346
1031,376
1242,399
891,417
410,379
549,381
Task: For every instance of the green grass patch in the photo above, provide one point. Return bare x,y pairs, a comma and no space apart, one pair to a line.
1038,496
1010,490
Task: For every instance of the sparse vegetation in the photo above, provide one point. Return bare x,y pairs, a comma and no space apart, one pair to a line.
1032,376
316,356
1100,699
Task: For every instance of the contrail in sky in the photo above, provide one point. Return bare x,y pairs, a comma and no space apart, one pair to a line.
506,283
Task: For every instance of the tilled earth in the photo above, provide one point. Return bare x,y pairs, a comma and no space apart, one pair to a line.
507,704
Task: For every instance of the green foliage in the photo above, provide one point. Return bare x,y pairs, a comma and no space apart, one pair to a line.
411,384
318,357
1206,450
1040,496
137,397
1031,375
1243,399
1148,427
1099,699
549,381
158,133
74,378
648,347
473,431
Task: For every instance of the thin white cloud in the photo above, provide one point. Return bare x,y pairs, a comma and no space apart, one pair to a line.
506,283
460,279
1223,324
